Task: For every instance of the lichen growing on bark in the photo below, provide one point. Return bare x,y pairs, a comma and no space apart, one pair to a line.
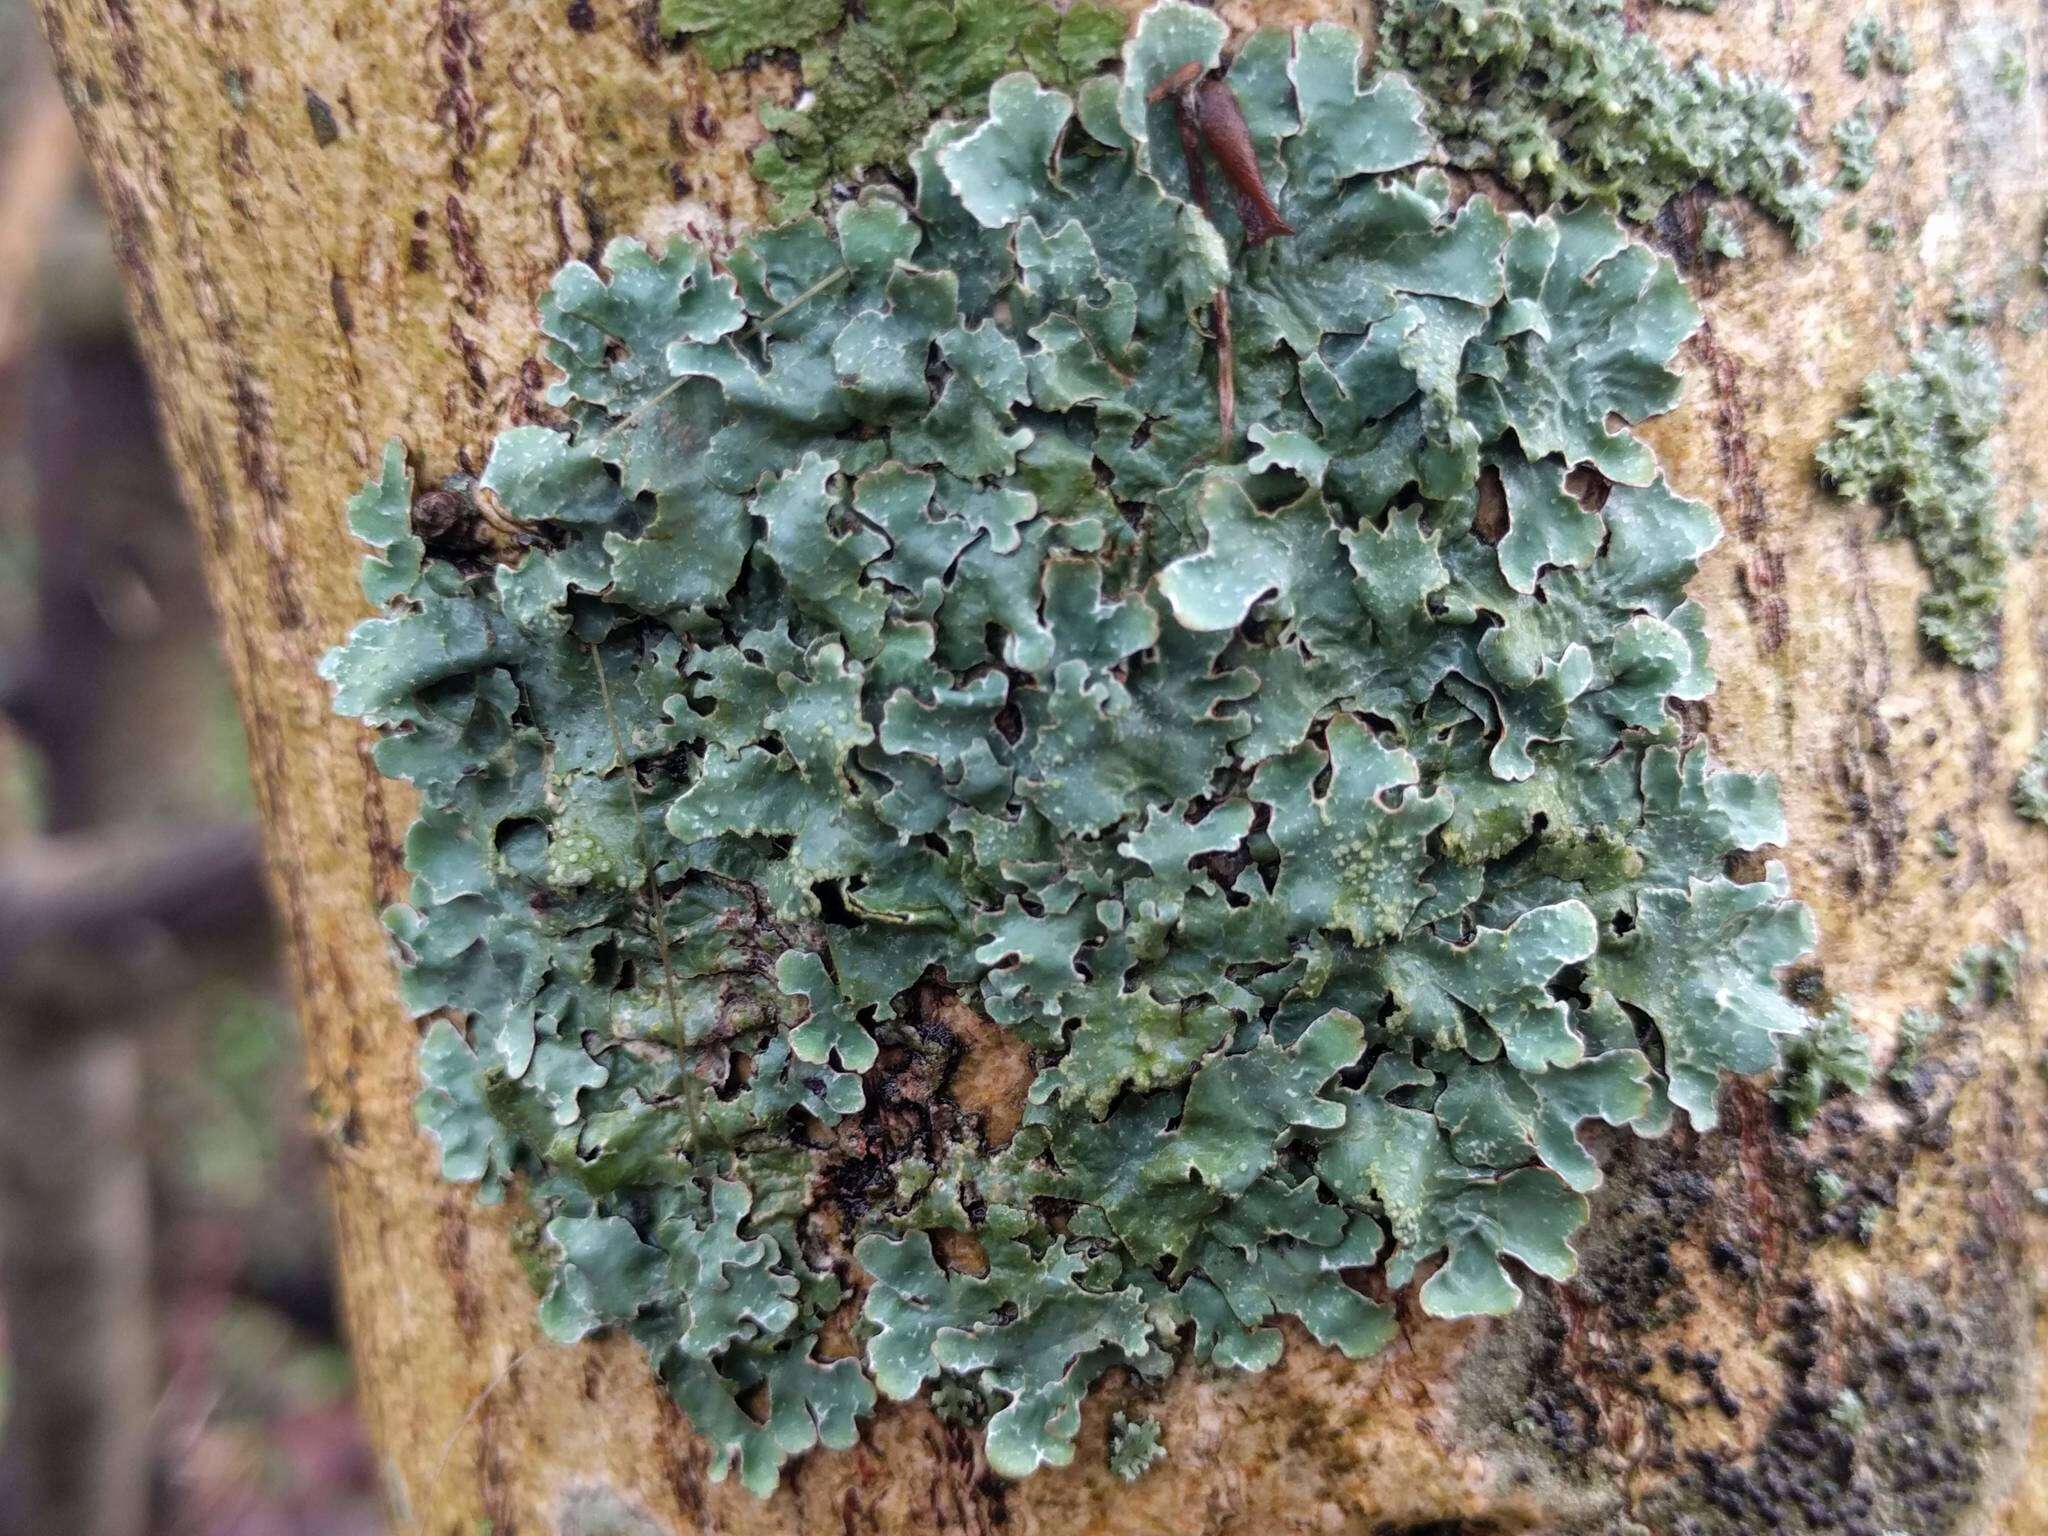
1833,1055
1134,1446
898,624
1562,98
2030,789
1855,138
1869,41
1920,448
726,31
872,85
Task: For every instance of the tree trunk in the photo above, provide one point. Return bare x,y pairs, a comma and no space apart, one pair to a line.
335,219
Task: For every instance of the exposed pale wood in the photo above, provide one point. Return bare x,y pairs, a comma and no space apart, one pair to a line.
300,301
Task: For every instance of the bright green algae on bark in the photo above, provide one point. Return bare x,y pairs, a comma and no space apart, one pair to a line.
1312,806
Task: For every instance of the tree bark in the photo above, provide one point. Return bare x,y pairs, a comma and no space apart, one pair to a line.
334,220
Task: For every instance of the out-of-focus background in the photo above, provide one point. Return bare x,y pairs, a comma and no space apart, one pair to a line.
165,1274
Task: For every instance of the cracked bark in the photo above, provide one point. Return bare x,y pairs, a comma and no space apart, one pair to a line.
334,221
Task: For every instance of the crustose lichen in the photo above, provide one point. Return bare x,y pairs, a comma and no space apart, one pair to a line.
2030,788
1313,808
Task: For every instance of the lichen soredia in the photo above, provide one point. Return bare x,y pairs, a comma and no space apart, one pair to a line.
894,636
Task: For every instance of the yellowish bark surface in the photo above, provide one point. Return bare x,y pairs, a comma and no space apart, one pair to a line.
335,217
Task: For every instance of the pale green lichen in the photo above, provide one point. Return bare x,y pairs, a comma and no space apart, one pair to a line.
2026,531
2030,788
1859,44
896,622
959,1404
1720,237
1917,1027
1855,138
1850,1411
1985,975
1972,311
1869,41
1834,1056
2011,72
1559,96
1134,1446
1920,448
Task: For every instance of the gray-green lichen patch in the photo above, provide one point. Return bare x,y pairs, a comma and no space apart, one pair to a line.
1560,97
1869,41
1719,236
1833,1055
1134,1446
1917,1027
1855,138
1919,447
1312,805
2026,531
2011,72
1985,975
2030,788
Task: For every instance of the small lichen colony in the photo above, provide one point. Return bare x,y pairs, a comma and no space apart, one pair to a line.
1920,448
898,638
2030,789
1563,98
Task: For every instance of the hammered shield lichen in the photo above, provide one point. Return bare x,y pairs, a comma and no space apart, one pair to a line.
1312,807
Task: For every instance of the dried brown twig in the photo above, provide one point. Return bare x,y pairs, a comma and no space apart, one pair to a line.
1209,117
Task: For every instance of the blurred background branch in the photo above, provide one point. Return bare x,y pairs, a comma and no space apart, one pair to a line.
38,169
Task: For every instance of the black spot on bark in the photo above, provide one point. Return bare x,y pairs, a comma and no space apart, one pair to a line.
325,129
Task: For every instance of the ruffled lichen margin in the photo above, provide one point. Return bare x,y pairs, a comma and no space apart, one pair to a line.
1314,808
